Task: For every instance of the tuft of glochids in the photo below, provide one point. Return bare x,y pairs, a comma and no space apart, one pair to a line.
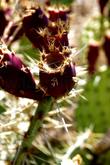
48,33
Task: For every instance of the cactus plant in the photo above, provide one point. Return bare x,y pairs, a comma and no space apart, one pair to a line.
56,69
95,111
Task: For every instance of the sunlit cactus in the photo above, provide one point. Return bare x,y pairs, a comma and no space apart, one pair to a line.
40,93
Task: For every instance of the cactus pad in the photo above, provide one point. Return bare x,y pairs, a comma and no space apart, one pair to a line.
96,110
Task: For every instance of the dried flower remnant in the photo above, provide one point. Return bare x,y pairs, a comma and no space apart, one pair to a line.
92,55
106,46
16,78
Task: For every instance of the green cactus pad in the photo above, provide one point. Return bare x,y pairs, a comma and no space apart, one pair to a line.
96,110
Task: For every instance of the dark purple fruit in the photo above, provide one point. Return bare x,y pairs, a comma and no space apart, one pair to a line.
55,14
32,23
106,46
16,78
58,83
92,55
